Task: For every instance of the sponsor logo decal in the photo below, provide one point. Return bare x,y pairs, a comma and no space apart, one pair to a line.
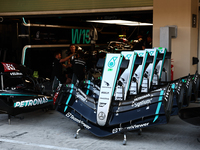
178,87
119,98
102,104
104,98
111,63
188,83
104,92
8,67
69,115
135,126
160,49
101,115
55,97
58,88
167,93
106,83
109,69
106,87
144,102
27,103
195,79
16,74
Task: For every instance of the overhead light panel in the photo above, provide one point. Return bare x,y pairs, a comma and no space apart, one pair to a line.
121,22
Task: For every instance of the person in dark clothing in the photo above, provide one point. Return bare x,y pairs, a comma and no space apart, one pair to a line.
69,70
148,43
140,45
78,65
57,66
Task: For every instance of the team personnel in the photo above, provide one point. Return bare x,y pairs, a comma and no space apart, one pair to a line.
69,70
57,67
78,66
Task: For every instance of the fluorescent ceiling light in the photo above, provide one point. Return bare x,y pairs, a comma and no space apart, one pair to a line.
121,22
139,24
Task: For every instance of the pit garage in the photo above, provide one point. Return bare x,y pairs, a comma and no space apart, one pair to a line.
32,40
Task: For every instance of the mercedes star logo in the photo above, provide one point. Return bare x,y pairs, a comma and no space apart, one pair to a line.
101,115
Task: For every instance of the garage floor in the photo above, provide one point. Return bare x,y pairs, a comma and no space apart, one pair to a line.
52,131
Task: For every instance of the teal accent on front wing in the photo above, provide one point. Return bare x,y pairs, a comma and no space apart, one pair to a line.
70,95
159,105
7,94
100,77
184,81
117,74
173,87
88,87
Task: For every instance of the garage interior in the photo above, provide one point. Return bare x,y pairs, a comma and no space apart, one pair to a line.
19,31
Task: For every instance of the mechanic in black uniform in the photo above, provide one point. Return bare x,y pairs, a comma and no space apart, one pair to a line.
148,42
58,65
69,70
140,45
78,65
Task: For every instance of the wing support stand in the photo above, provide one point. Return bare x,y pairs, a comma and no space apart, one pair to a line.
140,130
9,118
124,142
77,132
124,131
